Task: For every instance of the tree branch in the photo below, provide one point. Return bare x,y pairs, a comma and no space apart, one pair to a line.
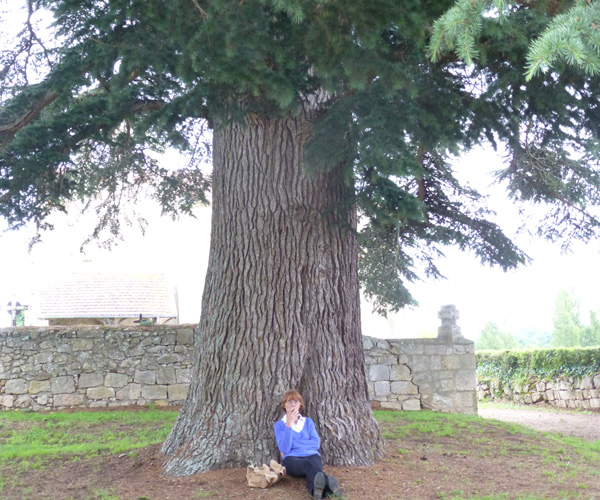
10,129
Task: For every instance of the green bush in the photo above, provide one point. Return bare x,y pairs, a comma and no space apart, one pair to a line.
509,367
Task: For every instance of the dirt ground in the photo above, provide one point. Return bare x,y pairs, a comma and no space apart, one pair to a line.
475,460
578,424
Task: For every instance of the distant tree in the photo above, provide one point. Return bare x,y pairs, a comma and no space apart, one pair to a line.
492,337
534,339
427,334
590,335
567,327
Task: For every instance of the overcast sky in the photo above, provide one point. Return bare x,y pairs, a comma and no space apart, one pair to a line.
519,301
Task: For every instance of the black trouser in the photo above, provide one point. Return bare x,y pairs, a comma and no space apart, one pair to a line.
305,466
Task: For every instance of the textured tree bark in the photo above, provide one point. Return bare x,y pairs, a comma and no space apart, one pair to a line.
280,309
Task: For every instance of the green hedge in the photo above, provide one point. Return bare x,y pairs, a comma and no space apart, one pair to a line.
548,364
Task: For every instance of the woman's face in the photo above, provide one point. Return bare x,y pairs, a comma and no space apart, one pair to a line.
292,404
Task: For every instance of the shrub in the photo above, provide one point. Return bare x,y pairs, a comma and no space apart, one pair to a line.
508,367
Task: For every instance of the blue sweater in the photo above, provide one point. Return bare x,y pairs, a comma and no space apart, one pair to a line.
297,444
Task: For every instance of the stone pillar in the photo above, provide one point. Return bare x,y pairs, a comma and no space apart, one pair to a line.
449,329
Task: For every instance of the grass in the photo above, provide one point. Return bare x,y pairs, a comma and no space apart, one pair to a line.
32,441
206,494
104,494
442,424
456,495
26,435
562,459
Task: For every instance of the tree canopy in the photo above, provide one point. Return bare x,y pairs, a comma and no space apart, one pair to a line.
571,36
568,329
492,337
567,325
590,334
85,103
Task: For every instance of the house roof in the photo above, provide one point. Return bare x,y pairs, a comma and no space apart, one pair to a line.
107,295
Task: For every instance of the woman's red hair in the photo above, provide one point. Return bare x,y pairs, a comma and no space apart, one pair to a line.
293,394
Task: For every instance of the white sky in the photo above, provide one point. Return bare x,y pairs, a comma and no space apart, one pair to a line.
518,301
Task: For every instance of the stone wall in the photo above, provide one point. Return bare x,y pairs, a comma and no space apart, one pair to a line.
410,374
59,367
574,393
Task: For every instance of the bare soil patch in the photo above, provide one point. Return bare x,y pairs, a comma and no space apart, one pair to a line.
568,423
473,458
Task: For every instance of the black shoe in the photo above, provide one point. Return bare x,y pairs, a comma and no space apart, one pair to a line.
334,486
318,485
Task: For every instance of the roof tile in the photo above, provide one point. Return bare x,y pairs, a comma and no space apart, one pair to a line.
107,295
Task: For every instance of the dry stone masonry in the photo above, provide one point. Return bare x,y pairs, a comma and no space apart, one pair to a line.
583,394
87,366
410,374
60,367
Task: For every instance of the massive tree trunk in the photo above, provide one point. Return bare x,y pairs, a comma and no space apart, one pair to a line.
280,308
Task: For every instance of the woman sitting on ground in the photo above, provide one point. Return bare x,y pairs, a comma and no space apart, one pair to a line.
299,444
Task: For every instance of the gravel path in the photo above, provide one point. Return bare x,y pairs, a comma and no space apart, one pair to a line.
586,426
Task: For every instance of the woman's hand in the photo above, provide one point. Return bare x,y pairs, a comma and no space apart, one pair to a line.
291,416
